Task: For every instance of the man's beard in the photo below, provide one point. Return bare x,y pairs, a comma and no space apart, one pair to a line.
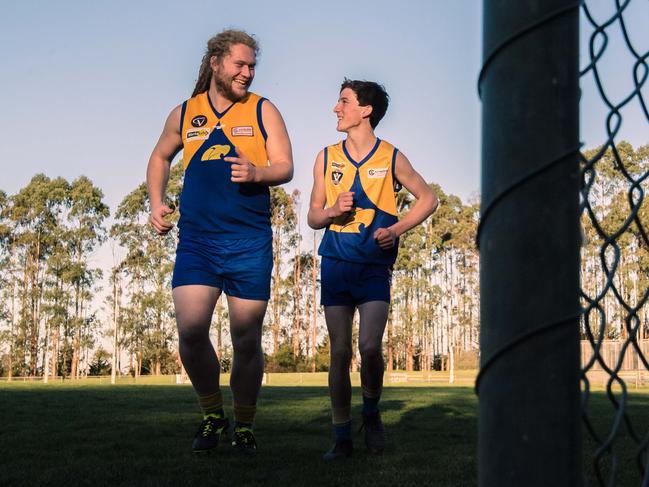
224,86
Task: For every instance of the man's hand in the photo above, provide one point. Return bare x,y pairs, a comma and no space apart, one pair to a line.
160,224
344,204
243,171
385,237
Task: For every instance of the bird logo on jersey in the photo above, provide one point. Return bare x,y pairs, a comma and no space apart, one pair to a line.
215,152
360,216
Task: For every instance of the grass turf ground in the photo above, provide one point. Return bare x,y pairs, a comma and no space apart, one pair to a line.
141,435
85,433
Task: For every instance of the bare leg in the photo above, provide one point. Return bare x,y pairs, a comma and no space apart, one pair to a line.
373,317
339,325
246,318
194,307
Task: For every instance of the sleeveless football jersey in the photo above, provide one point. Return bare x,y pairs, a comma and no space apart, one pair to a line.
372,181
210,203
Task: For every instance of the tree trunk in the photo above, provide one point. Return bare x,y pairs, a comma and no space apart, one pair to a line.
35,305
13,328
116,303
276,285
295,336
46,362
314,311
354,363
219,326
409,334
451,363
389,343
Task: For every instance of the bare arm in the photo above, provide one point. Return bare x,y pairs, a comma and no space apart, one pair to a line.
424,206
278,148
319,216
157,173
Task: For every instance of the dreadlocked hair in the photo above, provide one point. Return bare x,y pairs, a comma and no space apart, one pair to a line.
219,46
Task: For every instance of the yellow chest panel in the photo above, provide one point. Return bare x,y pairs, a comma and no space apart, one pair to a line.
240,126
371,179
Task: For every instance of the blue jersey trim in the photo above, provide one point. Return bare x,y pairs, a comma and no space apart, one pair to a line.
182,116
218,115
366,158
260,122
326,156
394,163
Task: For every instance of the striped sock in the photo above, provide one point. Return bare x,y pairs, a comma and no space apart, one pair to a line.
244,416
212,404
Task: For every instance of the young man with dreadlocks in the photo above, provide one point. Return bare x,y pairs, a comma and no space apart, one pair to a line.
235,146
353,196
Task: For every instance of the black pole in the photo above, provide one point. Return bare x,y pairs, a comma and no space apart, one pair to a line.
529,238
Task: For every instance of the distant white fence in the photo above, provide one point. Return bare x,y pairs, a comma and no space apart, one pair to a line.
610,352
632,370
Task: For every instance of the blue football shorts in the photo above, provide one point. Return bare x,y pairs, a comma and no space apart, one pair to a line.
352,283
239,267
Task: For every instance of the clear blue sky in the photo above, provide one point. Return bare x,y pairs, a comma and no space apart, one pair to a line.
87,85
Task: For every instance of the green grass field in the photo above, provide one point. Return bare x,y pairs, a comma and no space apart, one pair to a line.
91,433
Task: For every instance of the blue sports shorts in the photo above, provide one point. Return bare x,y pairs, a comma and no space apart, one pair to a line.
352,283
239,267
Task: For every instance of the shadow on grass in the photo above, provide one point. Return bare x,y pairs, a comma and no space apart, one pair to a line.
624,449
141,435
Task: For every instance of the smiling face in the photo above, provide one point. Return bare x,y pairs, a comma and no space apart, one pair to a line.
349,113
234,72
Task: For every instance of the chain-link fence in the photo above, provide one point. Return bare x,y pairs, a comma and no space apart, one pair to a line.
615,249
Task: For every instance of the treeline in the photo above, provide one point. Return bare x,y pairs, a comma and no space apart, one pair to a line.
615,232
62,316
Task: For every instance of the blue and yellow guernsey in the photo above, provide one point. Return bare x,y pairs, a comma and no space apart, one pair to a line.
373,183
210,203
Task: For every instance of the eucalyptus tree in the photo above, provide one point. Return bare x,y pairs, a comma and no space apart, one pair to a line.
147,317
35,213
284,222
87,212
616,192
7,289
303,336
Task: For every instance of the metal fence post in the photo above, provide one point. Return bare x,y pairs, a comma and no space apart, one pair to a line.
529,410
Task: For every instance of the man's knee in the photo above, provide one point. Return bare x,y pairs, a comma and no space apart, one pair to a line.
341,356
246,345
371,351
190,336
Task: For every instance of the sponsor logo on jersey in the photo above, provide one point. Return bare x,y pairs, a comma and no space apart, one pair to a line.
197,134
215,152
339,165
336,177
242,131
199,120
377,173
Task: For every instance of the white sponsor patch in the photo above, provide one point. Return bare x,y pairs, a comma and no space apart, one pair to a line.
377,173
245,131
197,134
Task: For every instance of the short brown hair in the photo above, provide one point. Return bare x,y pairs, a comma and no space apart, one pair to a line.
369,93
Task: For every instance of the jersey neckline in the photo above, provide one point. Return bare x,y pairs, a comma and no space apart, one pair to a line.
216,112
366,158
